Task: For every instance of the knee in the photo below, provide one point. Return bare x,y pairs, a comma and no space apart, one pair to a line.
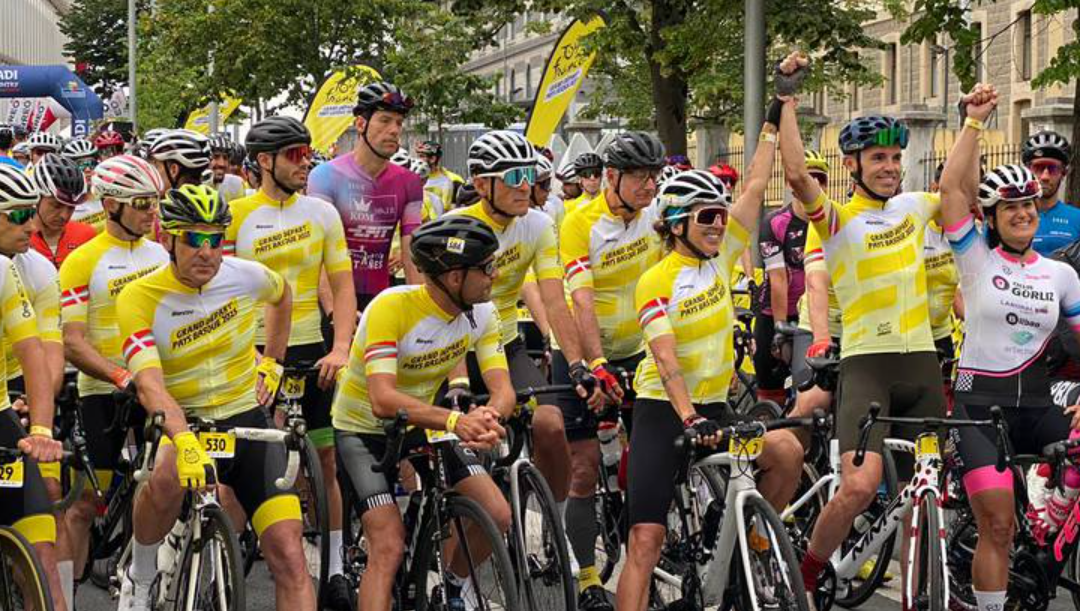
997,529
857,494
83,510
164,493
281,544
327,459
385,536
784,452
645,543
499,511
547,423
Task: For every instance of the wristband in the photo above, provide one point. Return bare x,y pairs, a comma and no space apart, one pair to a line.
451,421
772,115
459,383
767,137
598,362
120,378
43,431
974,124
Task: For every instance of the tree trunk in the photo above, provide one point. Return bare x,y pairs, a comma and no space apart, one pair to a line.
1073,193
669,92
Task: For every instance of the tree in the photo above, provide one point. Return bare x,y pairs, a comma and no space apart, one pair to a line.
96,30
934,16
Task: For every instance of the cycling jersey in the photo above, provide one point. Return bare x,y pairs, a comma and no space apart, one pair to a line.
370,210
781,243
17,318
91,213
405,333
581,200
941,280
874,253
231,187
443,184
433,208
814,261
1011,308
297,238
1059,226
608,255
40,280
555,208
689,298
203,340
75,234
90,281
525,242
5,160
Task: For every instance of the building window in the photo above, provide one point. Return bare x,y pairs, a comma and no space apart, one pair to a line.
934,74
853,98
528,81
1024,36
980,52
891,74
513,88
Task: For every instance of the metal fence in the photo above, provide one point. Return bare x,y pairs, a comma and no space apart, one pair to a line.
992,156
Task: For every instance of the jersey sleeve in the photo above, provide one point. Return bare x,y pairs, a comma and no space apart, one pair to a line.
734,243
825,215
47,309
813,253
18,313
489,349
135,309
233,230
335,252
770,246
75,288
413,212
381,334
320,183
1070,298
651,298
267,285
574,250
546,261
969,246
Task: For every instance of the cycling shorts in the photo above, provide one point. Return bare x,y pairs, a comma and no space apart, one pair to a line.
524,373
315,404
653,459
105,435
357,453
27,508
771,372
580,421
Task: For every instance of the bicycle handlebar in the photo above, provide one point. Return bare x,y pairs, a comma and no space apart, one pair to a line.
395,439
756,428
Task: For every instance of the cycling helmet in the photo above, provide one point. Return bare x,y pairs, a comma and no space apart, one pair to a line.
275,133
153,134
126,176
666,174
452,242
17,190
20,131
681,162
79,148
543,167
874,130
726,173
686,189
194,205
429,147
188,148
634,150
108,139
567,174
1046,145
815,161
381,96
587,161
1008,183
467,195
237,154
500,150
21,148
44,140
220,143
418,167
58,177
401,158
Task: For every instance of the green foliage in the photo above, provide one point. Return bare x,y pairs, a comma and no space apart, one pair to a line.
97,37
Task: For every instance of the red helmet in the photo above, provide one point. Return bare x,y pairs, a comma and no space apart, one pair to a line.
726,173
107,139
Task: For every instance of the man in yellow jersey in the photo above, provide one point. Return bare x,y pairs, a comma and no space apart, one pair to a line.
589,171
440,181
873,247
90,282
607,245
24,500
84,155
300,237
189,340
942,282
409,340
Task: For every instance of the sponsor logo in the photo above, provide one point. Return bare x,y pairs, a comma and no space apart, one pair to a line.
1000,283
183,312
1014,320
1021,338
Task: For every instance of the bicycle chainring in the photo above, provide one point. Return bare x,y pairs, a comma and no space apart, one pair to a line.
1029,589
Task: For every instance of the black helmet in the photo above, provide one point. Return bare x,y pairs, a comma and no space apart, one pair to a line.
634,150
58,177
587,161
873,130
1046,145
237,153
275,133
452,242
466,196
429,147
381,96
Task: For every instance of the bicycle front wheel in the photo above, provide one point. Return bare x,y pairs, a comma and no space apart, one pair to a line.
544,560
211,572
23,586
928,570
490,584
860,590
315,510
774,580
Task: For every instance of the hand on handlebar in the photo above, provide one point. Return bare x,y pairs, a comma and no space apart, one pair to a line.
329,366
192,463
706,431
819,349
480,428
608,376
587,386
41,448
269,373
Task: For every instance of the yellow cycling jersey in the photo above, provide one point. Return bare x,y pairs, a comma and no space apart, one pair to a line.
942,278
603,253
92,213
526,242
579,201
203,340
442,183
690,299
874,252
91,278
296,238
814,261
403,332
42,285
17,319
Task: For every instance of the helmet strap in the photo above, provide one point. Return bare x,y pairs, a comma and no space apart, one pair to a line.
857,175
618,195
491,201
685,239
273,176
117,217
457,299
363,134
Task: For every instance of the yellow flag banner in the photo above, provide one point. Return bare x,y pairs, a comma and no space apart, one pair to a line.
566,70
199,120
331,112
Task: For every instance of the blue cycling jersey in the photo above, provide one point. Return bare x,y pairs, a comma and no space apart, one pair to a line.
4,159
1058,227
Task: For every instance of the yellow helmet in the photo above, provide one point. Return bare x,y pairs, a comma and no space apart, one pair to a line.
814,161
194,205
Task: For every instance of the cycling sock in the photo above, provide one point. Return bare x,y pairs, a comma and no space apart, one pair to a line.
588,577
336,567
582,529
989,601
143,561
66,570
811,568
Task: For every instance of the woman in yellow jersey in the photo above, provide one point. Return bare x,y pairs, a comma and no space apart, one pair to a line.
685,309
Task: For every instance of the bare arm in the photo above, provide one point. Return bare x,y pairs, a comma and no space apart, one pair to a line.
960,178
412,275
667,364
778,294
562,323
82,355
530,294
38,380
748,207
805,188
278,323
54,360
817,292
154,397
585,313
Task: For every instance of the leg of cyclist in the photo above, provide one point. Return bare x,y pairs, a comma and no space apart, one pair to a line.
482,489
64,566
779,468
551,451
770,371
157,505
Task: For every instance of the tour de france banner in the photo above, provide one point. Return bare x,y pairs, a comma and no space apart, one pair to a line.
566,70
331,112
199,120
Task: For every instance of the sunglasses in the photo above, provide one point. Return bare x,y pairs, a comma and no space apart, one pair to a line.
142,203
515,177
821,178
590,173
1030,189
544,184
19,216
1052,167
297,154
643,174
87,164
396,99
487,268
712,216
196,239
897,134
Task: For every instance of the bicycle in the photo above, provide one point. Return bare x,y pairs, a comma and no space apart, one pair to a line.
726,546
23,584
434,514
199,563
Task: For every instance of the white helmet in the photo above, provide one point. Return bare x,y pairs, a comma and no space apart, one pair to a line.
153,134
500,150
401,158
79,148
667,173
418,167
22,148
44,140
1008,183
188,148
567,174
688,188
17,190
543,167
126,176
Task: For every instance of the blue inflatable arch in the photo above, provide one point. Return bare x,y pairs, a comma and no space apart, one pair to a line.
58,83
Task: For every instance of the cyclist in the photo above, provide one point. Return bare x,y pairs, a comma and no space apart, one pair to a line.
7,141
888,351
686,313
82,152
20,152
589,170
148,140
230,186
62,188
727,174
301,237
571,184
109,144
189,330
1047,154
942,280
180,156
90,281
679,162
440,181
41,144
373,196
1014,299
389,370
253,176
606,246
543,198
28,322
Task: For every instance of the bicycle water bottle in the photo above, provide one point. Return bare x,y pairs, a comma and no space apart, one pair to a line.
170,548
611,451
1062,498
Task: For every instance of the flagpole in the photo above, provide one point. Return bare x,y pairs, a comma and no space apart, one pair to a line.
132,106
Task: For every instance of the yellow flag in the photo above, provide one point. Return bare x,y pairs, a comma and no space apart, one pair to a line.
199,120
330,114
565,71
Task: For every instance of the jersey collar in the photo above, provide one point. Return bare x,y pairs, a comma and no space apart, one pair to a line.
428,305
482,214
112,240
861,202
263,199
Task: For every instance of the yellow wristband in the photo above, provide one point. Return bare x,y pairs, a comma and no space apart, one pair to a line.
767,137
974,124
459,383
44,431
451,421
597,362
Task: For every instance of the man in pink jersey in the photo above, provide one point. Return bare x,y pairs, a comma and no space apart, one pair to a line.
373,196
